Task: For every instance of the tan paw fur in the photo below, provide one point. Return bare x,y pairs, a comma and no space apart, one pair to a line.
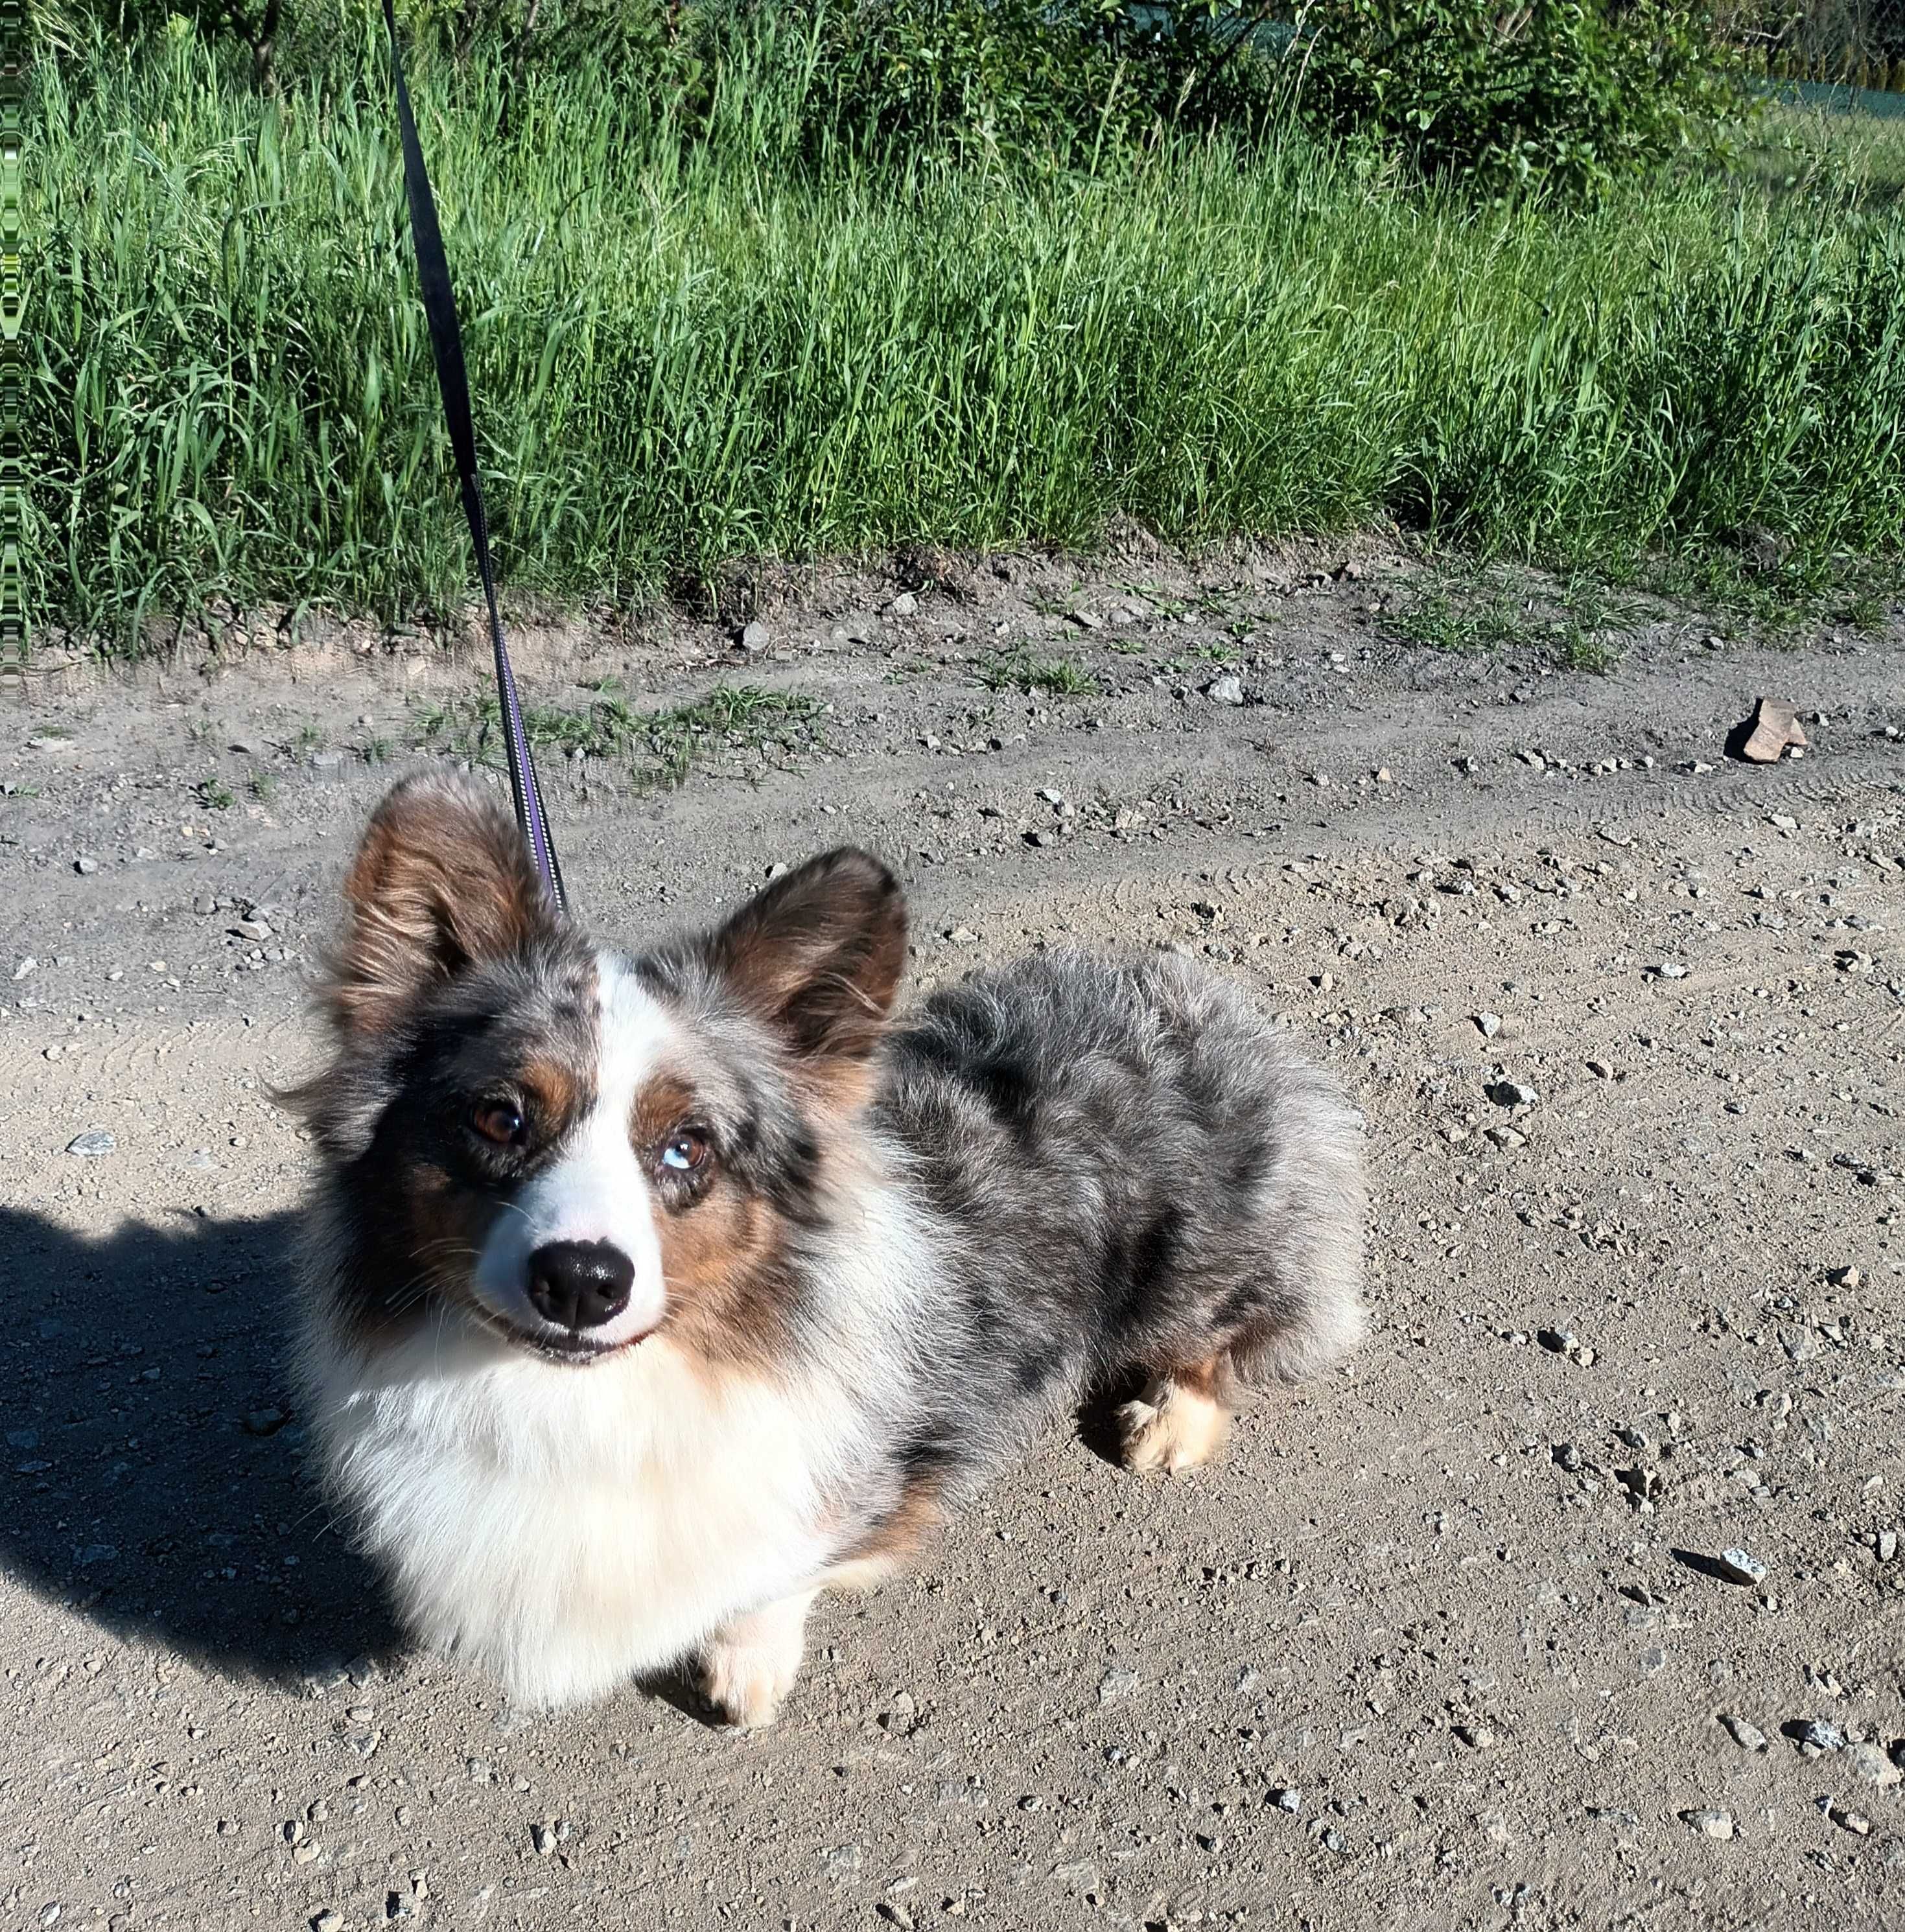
1173,1428
750,1665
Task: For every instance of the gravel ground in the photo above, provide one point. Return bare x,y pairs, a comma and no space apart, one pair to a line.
1576,1600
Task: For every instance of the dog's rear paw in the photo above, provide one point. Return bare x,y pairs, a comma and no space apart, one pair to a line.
750,1664
1173,1428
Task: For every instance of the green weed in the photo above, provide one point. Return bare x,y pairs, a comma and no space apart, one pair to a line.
1018,670
216,796
658,748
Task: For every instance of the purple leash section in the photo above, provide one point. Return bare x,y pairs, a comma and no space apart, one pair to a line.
439,303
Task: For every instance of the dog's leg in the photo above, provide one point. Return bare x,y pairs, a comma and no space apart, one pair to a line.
750,1662
1180,1420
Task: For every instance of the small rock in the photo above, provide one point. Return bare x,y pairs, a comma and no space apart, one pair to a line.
1773,727
1711,1824
1226,690
1849,1820
28,964
1287,1800
264,1421
1508,1138
895,1914
543,1837
904,605
1748,1736
91,1145
1872,1766
1845,1277
1739,1566
327,1921
1817,1737
1489,1023
1117,1684
1087,620
251,928
756,636
84,866
1512,1093
1671,969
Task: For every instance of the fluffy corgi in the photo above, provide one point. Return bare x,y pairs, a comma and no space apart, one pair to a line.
648,1296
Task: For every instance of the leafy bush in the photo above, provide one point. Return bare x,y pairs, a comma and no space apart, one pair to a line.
1567,95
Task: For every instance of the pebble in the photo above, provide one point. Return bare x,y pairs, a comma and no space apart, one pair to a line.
327,1921
1116,1684
1287,1800
1872,1767
1849,1820
756,636
904,605
1712,1824
84,866
1671,969
895,1914
91,1145
1489,1023
1816,1736
251,928
28,964
1226,690
1512,1093
1741,1567
1748,1736
1845,1277
264,1421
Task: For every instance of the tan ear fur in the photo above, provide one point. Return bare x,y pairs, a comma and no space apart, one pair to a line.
818,955
442,880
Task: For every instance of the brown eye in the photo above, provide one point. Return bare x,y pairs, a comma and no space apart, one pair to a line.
685,1151
499,1120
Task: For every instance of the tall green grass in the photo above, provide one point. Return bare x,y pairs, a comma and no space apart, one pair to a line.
692,344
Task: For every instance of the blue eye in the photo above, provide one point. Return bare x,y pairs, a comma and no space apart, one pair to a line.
686,1152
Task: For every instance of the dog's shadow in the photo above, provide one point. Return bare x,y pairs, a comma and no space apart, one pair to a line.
153,1476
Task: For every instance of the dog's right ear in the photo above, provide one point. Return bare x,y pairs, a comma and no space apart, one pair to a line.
442,881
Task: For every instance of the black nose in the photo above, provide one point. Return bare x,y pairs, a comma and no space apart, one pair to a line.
580,1284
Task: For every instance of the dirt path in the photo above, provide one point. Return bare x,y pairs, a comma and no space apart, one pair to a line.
1446,1641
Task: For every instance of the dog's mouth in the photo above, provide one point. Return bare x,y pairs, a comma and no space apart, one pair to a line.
567,1346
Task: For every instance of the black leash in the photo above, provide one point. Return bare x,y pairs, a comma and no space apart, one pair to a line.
439,303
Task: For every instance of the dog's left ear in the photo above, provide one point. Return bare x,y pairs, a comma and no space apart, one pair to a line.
818,955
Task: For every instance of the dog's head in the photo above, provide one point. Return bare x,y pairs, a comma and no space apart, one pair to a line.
573,1149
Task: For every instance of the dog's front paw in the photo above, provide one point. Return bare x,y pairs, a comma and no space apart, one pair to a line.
1174,1429
750,1663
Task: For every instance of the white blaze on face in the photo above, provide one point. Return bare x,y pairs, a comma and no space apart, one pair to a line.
597,1190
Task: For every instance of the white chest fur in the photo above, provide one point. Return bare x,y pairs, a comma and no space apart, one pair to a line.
564,1529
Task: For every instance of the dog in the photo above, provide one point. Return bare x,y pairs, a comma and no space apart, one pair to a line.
648,1296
